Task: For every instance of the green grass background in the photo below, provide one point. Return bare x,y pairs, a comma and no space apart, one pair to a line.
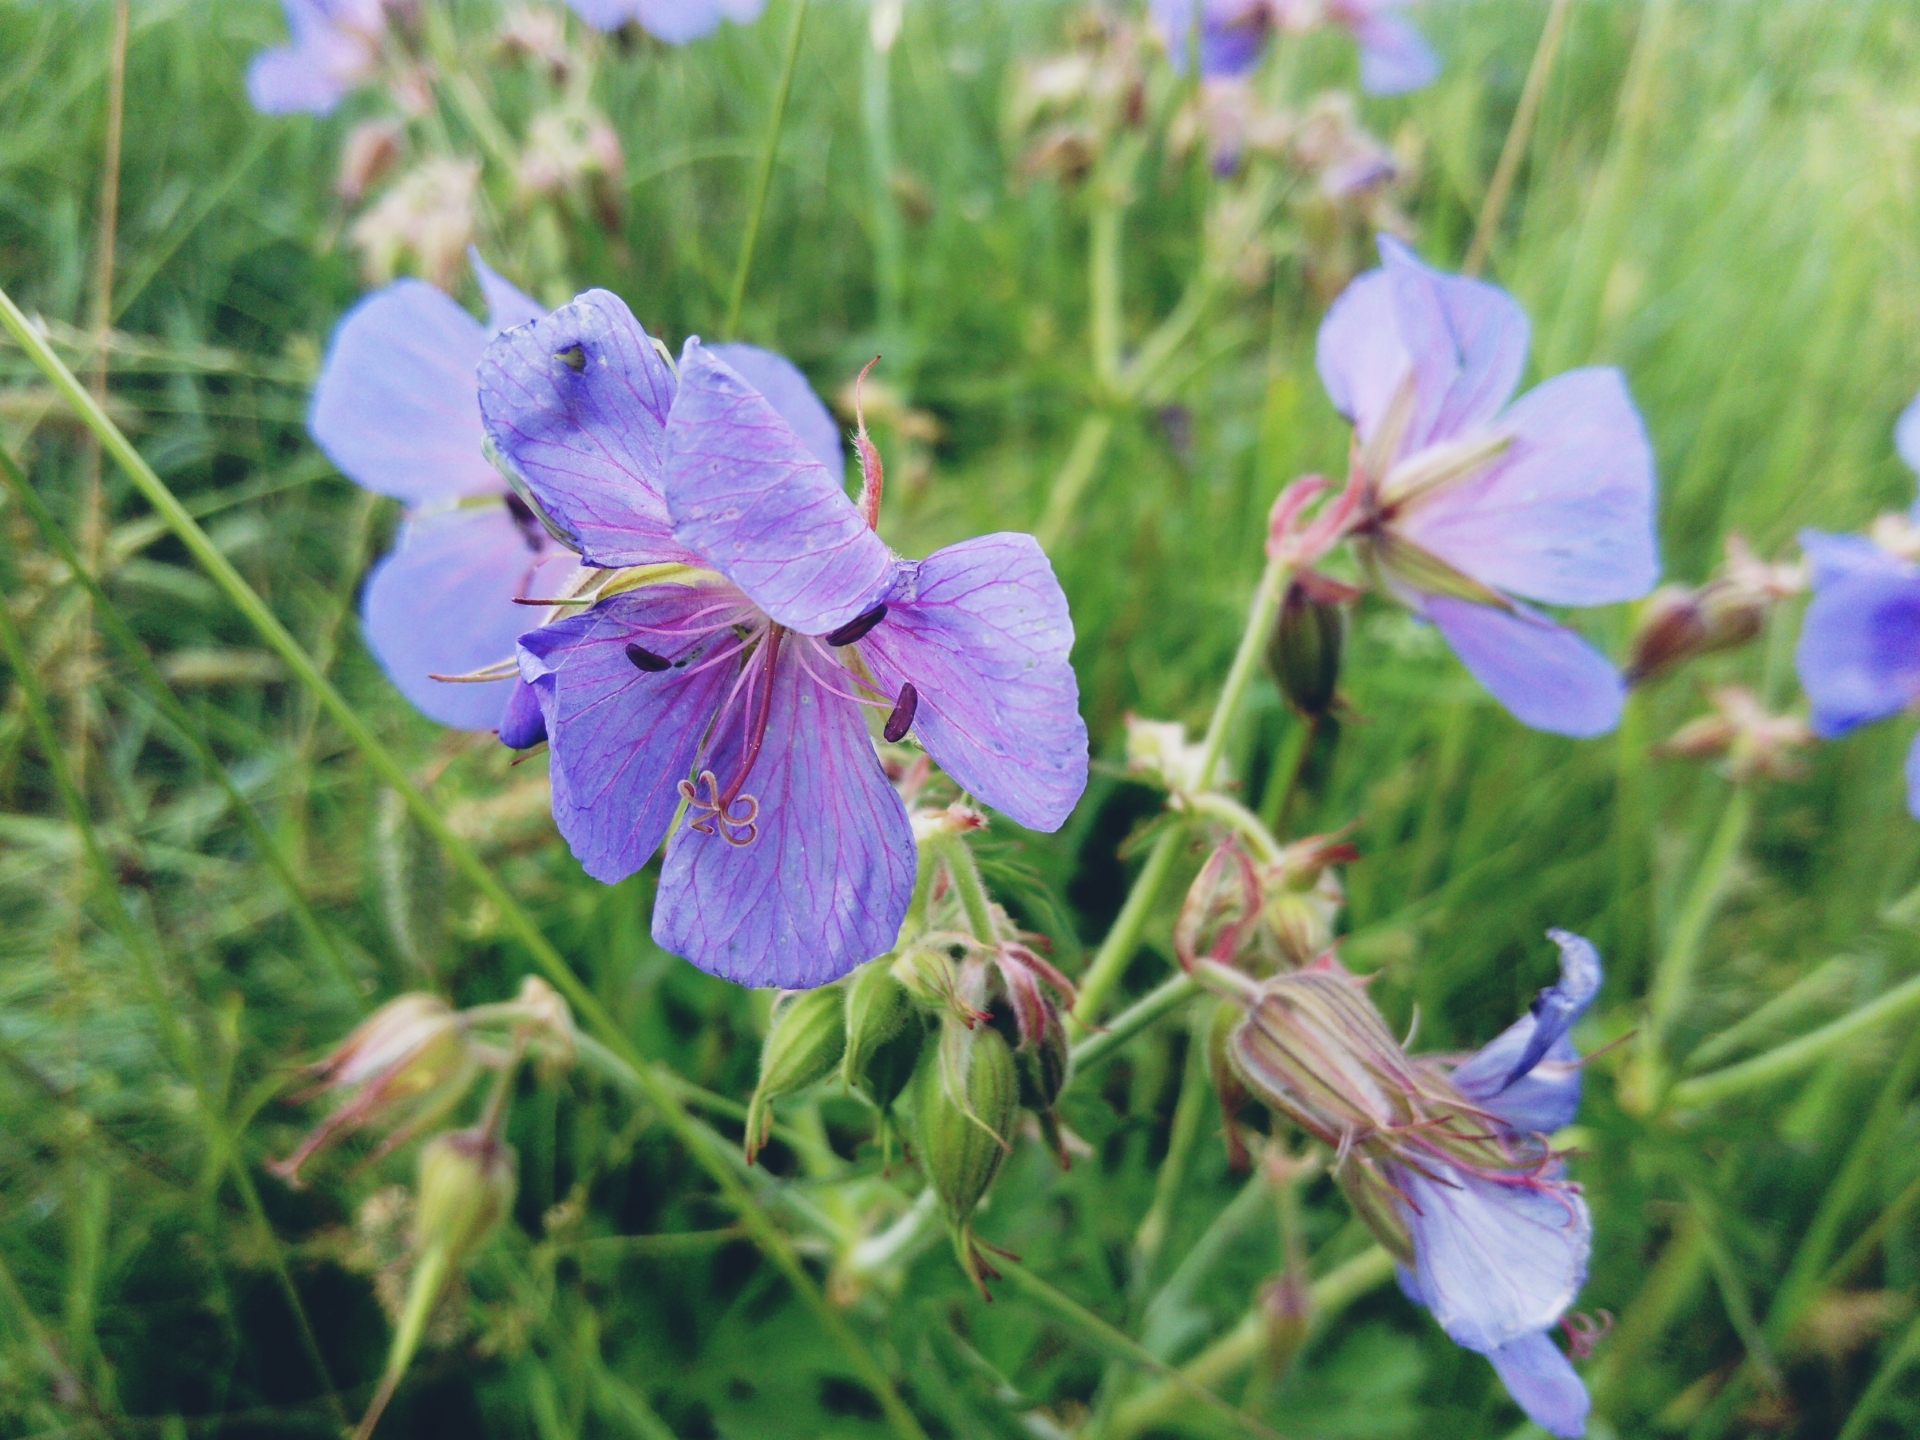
1721,197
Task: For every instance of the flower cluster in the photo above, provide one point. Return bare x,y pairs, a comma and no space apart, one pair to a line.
1232,35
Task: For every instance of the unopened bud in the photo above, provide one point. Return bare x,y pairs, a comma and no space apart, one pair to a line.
1286,1308
408,1059
966,1098
1305,650
804,1044
1304,895
467,1183
1678,622
885,1033
1220,910
369,152
1159,752
1741,733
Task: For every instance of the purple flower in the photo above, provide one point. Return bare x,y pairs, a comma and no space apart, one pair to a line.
395,410
1500,1247
336,47
1462,505
1394,58
674,21
1859,649
734,683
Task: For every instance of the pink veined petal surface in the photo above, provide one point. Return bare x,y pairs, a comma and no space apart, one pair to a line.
787,390
441,602
981,630
1565,513
825,884
1496,1262
1543,1383
1467,341
1547,676
577,403
748,497
394,407
622,738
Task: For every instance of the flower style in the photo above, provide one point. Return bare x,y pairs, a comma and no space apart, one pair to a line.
734,681
1459,504
1394,58
336,47
1859,650
395,410
674,21
1452,1171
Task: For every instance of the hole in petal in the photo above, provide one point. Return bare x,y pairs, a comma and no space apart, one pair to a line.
575,357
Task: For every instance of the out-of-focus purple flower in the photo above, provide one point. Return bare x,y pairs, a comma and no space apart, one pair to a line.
396,410
674,21
1859,650
1463,501
747,670
336,47
1394,57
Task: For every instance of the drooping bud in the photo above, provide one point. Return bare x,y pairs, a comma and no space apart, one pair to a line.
1305,650
1304,895
369,152
804,1044
884,1033
1679,622
1220,910
467,1183
404,1065
1741,733
966,1098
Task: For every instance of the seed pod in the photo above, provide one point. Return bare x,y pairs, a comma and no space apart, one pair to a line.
467,1183
966,1097
1305,651
804,1044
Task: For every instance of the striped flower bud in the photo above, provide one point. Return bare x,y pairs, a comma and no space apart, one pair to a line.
885,1033
804,1044
966,1098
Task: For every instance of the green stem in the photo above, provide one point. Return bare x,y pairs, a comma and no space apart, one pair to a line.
655,1086
1242,1345
1796,1055
1672,986
1103,278
1117,949
1518,133
1904,1354
1116,1343
763,174
1076,471
1106,1042
966,880
176,714
1239,819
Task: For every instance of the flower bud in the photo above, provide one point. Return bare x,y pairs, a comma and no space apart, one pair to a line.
1221,908
369,152
966,1098
1742,734
1305,650
884,1033
1286,1308
1159,752
1304,895
404,1064
1678,622
804,1044
467,1183
550,1021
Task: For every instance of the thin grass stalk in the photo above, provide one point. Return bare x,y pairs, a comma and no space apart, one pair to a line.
763,174
133,939
658,1091
1494,206
318,938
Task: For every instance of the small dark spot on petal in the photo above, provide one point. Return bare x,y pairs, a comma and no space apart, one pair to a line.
575,357
646,660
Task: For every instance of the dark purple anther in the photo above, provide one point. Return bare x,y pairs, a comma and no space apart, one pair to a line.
901,720
646,660
857,627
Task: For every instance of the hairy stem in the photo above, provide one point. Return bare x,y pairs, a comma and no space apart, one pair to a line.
763,173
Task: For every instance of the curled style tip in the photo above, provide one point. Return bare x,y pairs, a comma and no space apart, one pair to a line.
901,720
857,627
647,660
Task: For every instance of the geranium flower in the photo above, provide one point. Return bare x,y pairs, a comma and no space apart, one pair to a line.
674,21
395,410
1452,1170
1394,57
735,681
1459,505
336,47
1859,649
